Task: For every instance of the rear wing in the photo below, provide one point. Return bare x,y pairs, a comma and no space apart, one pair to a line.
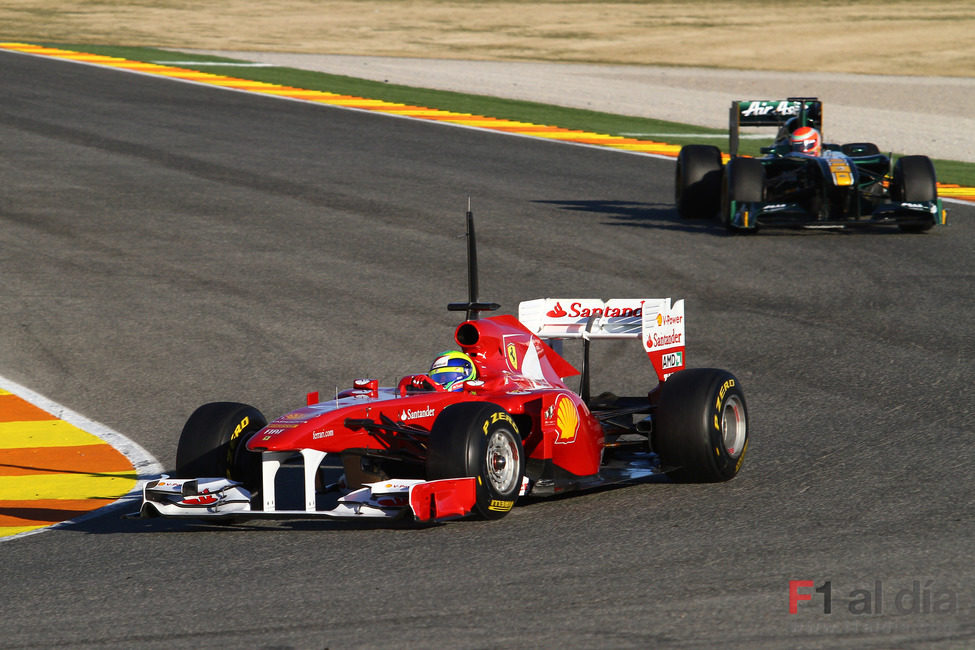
803,111
655,321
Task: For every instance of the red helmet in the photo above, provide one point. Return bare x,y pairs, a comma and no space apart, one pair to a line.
806,139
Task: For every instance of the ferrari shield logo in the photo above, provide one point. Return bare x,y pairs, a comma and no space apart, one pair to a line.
512,356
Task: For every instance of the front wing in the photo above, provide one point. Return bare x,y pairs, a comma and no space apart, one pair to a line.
224,499
751,215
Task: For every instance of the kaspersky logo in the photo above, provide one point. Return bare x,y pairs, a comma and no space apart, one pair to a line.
409,414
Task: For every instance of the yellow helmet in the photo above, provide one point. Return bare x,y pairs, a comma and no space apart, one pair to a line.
451,369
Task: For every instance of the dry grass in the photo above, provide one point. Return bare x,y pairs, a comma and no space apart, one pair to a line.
919,37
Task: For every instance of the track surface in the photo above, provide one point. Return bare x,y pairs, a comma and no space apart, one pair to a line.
163,245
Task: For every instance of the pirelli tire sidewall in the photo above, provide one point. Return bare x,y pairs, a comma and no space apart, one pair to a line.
701,426
479,439
212,443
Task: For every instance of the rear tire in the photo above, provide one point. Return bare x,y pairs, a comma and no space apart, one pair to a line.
701,426
213,444
697,186
479,439
744,182
914,182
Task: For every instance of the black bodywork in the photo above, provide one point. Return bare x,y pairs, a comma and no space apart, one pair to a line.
847,185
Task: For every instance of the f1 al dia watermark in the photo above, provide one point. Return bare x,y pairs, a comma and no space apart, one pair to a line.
919,597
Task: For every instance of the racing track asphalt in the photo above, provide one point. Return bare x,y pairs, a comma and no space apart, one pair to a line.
164,244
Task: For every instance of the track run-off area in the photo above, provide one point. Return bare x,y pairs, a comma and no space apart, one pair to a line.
57,465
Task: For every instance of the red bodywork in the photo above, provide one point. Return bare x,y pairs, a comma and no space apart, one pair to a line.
516,370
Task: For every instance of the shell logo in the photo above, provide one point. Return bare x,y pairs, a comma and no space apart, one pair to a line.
566,420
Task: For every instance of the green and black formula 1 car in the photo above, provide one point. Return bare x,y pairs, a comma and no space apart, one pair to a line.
805,184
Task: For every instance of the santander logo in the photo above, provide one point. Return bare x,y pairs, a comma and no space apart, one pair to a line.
579,310
674,338
409,414
557,311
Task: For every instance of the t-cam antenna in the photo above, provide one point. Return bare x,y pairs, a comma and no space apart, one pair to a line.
472,306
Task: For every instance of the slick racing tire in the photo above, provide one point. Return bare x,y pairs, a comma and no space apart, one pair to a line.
212,444
701,426
914,182
914,179
697,186
743,182
479,439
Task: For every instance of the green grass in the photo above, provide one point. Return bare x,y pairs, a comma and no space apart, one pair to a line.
948,171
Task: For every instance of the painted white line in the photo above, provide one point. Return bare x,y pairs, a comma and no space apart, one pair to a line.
241,64
949,199
145,464
715,136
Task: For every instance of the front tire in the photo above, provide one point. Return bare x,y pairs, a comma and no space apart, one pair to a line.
914,182
697,185
701,426
743,182
213,443
479,439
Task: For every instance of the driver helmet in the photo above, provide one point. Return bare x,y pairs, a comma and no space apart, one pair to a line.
806,139
451,369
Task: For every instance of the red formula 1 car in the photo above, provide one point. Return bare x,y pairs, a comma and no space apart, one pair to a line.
420,451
